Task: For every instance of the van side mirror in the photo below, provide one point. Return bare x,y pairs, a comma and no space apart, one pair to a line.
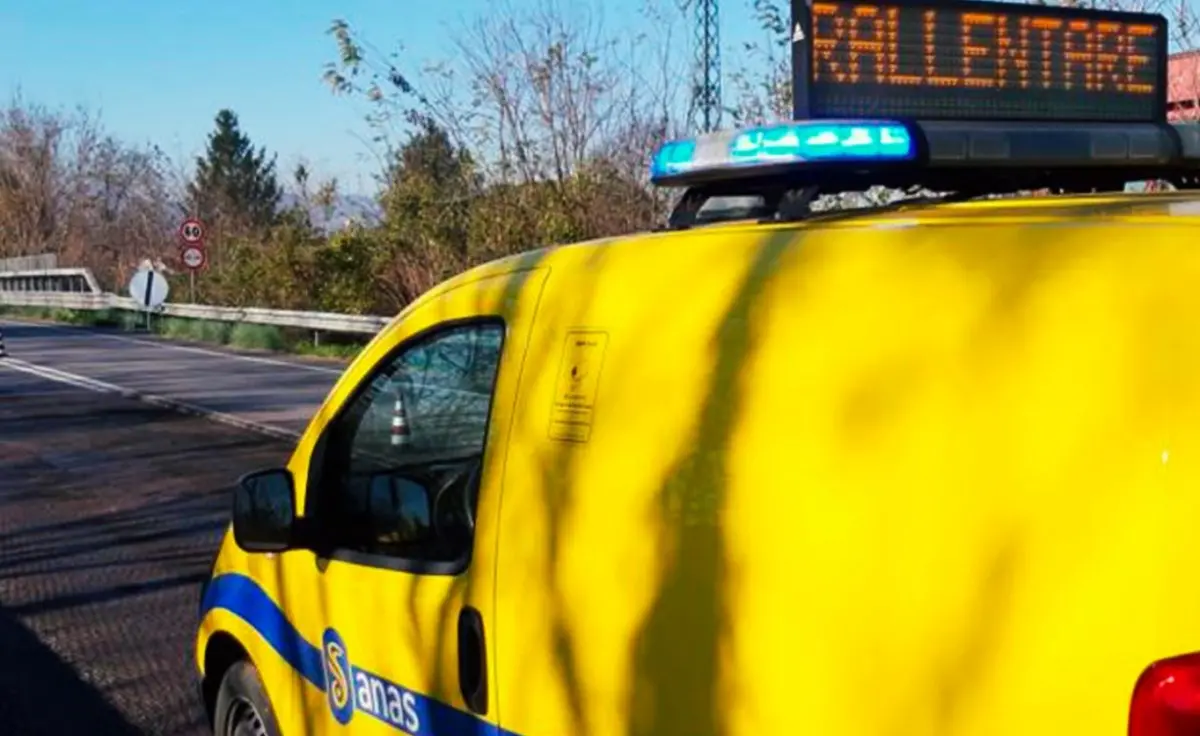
264,511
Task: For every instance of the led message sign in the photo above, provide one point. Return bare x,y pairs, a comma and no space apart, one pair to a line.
964,59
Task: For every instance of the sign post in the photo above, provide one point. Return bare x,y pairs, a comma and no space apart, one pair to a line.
191,232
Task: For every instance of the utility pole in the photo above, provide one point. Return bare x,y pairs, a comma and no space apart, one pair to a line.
707,92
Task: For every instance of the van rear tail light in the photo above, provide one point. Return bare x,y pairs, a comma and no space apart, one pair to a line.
1166,699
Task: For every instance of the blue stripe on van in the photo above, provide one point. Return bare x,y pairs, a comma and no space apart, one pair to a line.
241,596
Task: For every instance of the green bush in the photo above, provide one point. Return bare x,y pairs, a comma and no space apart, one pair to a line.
214,332
180,329
256,337
108,318
130,321
24,312
66,315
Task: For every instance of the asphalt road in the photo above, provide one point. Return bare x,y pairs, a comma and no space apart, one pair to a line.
110,511
276,391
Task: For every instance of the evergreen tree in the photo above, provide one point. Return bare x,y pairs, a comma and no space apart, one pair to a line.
234,183
428,190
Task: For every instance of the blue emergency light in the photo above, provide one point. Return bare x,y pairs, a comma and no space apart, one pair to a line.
786,143
818,150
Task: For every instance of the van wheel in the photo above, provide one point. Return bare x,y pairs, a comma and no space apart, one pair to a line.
242,707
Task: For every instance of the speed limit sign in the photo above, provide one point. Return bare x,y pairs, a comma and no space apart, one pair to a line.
191,231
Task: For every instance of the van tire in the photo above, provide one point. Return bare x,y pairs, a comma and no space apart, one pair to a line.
242,701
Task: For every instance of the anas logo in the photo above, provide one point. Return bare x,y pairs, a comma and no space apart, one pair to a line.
349,688
339,687
337,676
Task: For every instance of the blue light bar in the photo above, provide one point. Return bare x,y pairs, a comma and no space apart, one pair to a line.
797,142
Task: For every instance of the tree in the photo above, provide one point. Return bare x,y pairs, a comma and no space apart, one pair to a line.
70,189
541,122
536,92
234,186
430,188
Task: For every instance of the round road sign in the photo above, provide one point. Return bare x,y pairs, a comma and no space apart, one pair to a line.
193,256
148,288
191,231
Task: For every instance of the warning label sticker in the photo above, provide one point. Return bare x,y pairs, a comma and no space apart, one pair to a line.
578,381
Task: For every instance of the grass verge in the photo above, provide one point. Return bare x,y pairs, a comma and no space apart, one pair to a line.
236,335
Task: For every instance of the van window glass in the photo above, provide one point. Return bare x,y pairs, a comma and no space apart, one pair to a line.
398,472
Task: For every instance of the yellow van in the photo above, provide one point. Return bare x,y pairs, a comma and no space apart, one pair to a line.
930,468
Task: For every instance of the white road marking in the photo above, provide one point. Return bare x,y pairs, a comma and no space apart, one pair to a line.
183,348
182,407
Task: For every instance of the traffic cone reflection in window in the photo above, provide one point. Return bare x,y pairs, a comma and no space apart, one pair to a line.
400,435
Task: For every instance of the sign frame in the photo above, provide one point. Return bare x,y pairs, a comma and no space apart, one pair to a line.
185,231
802,49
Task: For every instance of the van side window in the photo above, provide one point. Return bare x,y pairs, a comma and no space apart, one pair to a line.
397,473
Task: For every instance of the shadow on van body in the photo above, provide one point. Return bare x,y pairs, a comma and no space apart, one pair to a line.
965,663
461,588
675,686
675,669
1008,269
556,504
675,676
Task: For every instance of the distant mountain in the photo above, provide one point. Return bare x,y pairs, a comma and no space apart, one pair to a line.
348,208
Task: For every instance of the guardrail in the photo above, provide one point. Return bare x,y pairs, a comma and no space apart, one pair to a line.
315,321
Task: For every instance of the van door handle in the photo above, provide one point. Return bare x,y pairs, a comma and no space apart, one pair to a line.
472,660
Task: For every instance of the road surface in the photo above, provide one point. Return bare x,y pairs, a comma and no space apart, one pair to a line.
110,511
274,391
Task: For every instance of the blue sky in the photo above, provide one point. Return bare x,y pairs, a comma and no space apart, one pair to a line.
158,70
